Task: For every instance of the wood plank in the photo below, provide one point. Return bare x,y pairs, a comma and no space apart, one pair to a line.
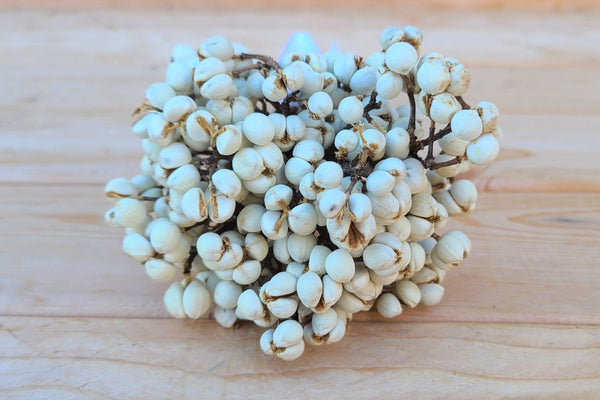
102,358
551,39
364,5
534,259
78,319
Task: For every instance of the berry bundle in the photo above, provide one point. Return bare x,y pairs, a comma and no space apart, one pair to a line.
295,194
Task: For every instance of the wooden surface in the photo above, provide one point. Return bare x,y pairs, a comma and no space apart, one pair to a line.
78,319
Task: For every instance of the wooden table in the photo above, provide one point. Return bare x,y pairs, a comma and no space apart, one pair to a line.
80,320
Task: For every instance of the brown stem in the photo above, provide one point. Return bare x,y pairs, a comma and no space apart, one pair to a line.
269,61
372,105
438,165
463,103
413,109
412,120
187,266
142,110
440,134
358,168
430,141
414,146
247,68
353,182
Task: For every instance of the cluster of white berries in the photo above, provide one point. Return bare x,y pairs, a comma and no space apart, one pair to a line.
295,194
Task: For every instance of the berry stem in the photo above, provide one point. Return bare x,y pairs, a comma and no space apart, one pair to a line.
440,134
246,68
269,61
430,142
463,103
372,105
414,145
142,110
438,165
413,108
187,266
412,118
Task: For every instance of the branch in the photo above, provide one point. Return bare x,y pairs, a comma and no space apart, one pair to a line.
463,103
269,61
414,146
455,160
187,266
430,140
372,105
440,134
413,107
247,68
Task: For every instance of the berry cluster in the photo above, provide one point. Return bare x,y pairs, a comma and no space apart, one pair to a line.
295,194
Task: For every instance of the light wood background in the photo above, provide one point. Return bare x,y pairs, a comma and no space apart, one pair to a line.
78,319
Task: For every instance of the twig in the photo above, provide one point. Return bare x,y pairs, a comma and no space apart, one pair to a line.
413,146
372,105
269,61
431,141
413,109
440,134
438,165
187,266
463,103
247,68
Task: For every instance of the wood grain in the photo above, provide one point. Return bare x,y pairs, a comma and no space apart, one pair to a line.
100,359
78,319
282,6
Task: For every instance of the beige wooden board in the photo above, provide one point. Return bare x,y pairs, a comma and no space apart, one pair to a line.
147,358
79,319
